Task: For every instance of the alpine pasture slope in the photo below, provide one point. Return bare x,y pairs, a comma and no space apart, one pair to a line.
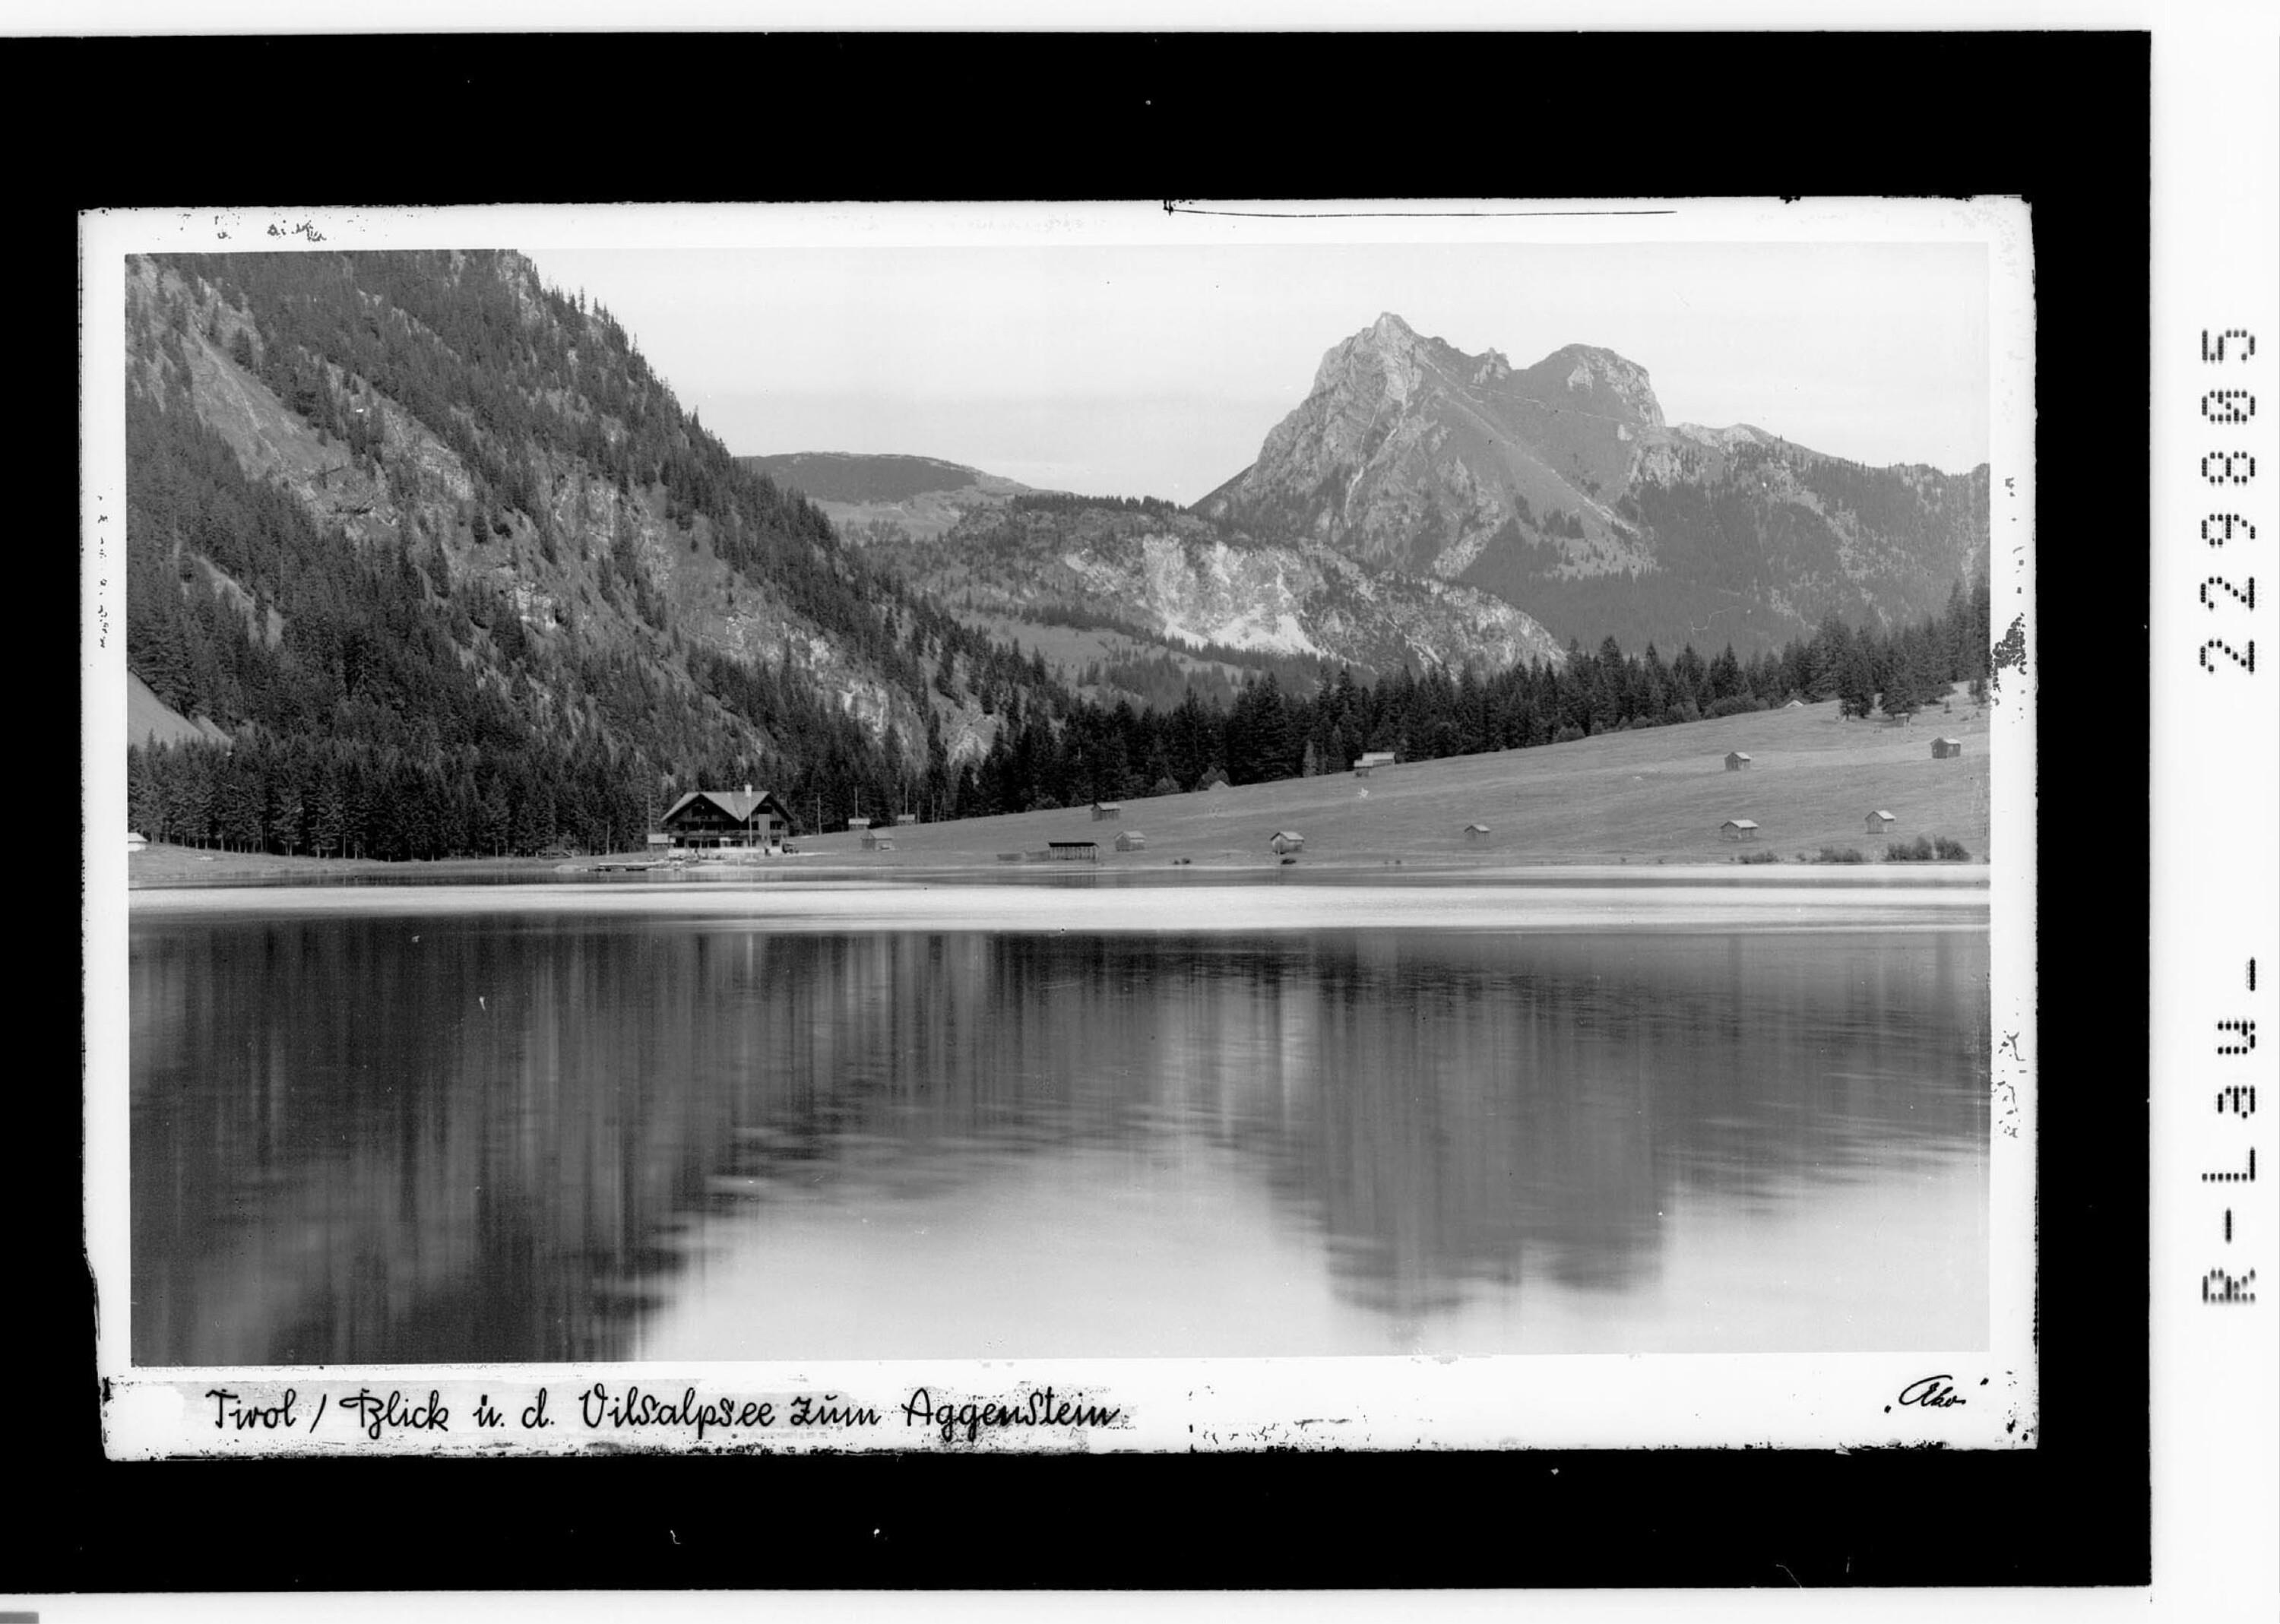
1655,795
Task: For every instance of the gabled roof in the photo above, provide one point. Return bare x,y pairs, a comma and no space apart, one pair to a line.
738,804
1947,741
1739,755
1476,829
1739,823
1886,815
1285,835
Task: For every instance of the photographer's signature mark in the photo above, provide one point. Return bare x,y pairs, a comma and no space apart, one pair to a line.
1931,1393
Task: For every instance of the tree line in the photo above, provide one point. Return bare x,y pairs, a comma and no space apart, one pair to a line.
346,798
1120,752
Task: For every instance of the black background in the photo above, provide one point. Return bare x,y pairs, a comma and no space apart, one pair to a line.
2062,119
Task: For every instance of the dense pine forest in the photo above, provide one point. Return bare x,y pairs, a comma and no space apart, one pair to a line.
386,697
504,605
1120,752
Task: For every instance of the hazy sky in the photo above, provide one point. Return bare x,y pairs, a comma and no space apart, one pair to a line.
1158,370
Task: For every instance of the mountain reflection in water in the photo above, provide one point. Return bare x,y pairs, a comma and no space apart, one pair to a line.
493,1139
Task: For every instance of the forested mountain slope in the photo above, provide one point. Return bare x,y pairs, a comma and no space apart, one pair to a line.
458,573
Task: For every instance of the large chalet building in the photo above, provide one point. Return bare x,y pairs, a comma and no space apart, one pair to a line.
710,818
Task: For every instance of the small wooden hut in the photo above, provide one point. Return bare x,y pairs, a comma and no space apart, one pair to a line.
1942,749
1881,822
1106,811
1475,831
1131,840
1284,843
1073,850
1736,761
1739,828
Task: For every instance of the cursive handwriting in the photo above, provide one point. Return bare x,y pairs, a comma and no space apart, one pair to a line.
1932,1392
1035,1410
597,1406
374,1413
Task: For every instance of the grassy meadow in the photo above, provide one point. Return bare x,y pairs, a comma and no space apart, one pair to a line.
1654,795
1658,795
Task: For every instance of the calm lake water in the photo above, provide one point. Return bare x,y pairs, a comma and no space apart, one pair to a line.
502,1133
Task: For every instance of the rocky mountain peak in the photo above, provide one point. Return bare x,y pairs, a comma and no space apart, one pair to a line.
1411,453
1377,364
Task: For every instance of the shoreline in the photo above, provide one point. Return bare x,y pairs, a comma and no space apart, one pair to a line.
169,868
1573,899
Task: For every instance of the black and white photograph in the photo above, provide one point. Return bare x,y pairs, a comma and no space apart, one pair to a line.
1056,827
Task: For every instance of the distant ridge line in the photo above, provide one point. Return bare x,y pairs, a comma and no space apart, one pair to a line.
872,476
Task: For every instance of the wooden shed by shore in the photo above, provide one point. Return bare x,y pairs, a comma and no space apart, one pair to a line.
1283,842
1131,840
872,841
1106,811
1736,761
1073,850
1942,749
1881,822
1475,831
1739,828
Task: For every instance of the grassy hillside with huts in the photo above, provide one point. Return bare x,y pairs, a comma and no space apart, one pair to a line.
1655,795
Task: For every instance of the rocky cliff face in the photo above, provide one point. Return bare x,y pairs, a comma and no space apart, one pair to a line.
1533,483
1188,583
1409,453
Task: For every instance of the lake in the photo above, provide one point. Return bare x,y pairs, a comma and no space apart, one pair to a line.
574,1123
